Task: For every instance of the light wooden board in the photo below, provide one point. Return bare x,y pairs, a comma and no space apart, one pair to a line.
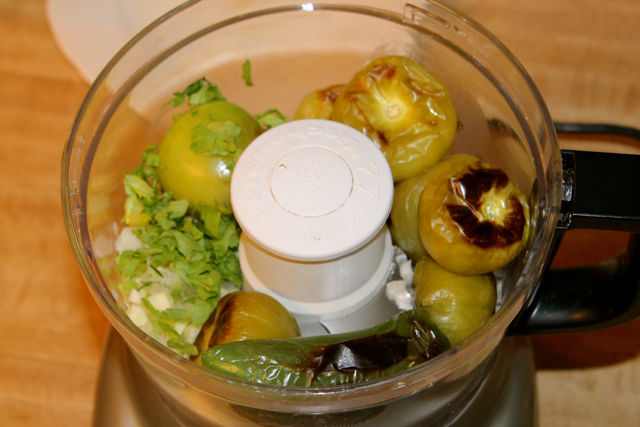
583,55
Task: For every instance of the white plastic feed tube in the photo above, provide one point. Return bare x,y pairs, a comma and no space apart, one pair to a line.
312,198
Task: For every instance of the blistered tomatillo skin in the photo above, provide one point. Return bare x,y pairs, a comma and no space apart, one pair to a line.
457,304
200,178
404,216
245,315
472,218
318,104
404,108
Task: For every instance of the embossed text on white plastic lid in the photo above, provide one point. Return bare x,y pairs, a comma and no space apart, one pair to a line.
311,181
311,190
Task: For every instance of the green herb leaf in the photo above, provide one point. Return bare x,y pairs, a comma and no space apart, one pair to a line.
200,312
176,293
212,218
198,245
144,285
131,264
216,139
183,347
149,251
271,118
178,208
134,212
199,92
160,322
230,238
126,286
177,314
246,73
162,218
136,186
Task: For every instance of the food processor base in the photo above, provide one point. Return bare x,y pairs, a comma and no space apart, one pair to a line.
126,397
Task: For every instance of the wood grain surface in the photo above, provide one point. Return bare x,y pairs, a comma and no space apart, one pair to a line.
583,54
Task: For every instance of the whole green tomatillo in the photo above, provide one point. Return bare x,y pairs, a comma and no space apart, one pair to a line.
245,315
318,104
404,108
472,218
457,304
200,150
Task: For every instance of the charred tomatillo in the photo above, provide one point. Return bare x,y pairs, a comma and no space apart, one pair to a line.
245,315
199,151
457,304
404,216
318,104
404,108
473,218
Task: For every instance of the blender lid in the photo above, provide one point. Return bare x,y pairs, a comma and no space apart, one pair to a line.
312,190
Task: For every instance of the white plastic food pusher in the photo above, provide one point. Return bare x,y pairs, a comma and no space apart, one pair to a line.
312,198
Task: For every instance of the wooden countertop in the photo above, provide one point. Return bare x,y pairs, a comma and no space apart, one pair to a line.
585,58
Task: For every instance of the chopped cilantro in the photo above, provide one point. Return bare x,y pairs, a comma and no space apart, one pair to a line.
144,285
196,244
126,286
177,314
181,346
176,293
246,73
160,322
199,92
200,312
271,118
131,264
156,270
215,139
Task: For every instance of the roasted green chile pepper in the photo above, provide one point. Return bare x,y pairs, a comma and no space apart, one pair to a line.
400,343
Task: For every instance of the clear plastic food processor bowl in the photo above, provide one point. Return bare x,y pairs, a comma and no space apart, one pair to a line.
295,48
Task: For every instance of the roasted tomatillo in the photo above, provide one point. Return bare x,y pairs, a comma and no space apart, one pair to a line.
404,216
245,315
400,343
457,304
199,152
318,104
473,218
404,108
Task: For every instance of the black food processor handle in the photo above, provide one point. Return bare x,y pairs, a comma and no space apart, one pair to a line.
601,191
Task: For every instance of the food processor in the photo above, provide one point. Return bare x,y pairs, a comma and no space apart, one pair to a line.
295,48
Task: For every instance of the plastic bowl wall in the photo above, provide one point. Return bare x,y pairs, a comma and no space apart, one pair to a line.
295,49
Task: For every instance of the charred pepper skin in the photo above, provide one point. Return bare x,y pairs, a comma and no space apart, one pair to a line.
400,343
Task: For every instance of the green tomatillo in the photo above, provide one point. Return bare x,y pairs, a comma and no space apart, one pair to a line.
200,150
472,218
404,108
457,304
